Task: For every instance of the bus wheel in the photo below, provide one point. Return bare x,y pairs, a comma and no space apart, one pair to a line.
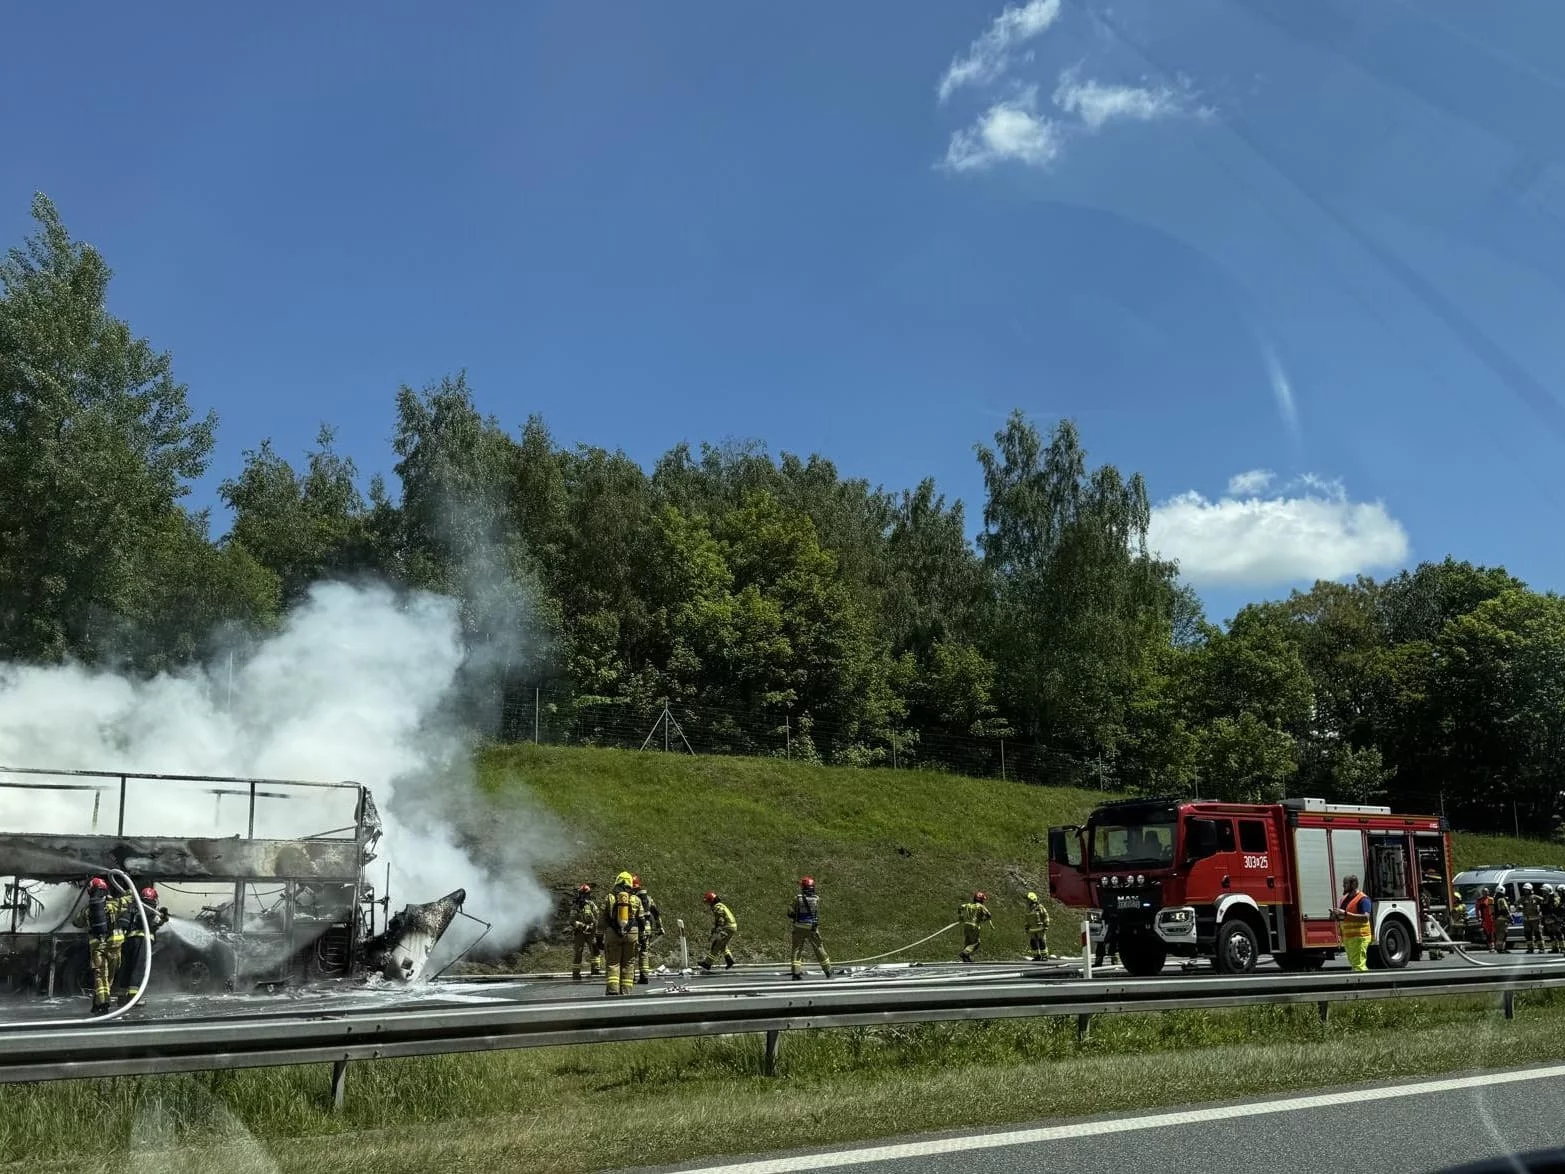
1236,948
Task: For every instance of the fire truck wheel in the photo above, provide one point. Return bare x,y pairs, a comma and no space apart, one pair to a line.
1236,948
1143,957
1395,946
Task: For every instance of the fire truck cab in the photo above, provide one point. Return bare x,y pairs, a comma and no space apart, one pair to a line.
1235,881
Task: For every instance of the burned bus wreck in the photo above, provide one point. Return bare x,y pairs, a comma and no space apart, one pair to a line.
253,909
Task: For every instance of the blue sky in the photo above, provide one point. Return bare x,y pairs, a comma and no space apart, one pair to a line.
1324,241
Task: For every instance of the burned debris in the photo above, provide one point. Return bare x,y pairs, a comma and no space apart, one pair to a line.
249,910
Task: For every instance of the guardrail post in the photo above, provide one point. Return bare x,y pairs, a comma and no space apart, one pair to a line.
1083,1024
339,1084
1325,1010
769,1060
1509,1003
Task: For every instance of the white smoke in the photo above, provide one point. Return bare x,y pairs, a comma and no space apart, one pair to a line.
357,684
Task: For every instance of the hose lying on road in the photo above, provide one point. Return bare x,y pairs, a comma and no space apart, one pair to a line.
899,949
1460,950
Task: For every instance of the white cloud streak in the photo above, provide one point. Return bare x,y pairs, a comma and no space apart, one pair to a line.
1097,104
1249,483
1282,392
1007,131
1246,540
987,57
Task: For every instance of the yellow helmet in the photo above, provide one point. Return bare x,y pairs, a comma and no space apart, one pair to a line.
623,879
1032,896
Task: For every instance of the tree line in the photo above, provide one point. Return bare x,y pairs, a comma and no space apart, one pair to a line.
765,593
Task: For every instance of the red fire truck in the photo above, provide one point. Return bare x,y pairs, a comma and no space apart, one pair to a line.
1234,881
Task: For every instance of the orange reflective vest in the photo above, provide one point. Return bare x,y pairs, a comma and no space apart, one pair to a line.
1354,928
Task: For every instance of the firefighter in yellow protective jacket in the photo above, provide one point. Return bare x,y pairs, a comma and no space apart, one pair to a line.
1354,911
1532,919
104,939
973,914
1037,928
805,914
584,932
724,926
138,942
621,923
651,923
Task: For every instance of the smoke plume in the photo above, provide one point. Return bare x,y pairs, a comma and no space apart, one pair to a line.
359,683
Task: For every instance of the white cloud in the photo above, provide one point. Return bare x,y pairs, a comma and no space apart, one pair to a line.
1245,540
1010,130
988,56
1097,104
1249,483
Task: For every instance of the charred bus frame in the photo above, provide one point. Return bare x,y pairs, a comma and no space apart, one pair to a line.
333,859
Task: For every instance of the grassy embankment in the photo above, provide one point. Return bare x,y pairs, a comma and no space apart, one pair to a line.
893,851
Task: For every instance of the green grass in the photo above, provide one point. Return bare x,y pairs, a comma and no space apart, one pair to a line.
893,851
585,1108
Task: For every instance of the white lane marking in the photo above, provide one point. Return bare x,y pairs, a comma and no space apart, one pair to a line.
951,1145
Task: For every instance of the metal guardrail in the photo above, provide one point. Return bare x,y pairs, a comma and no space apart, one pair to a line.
340,1037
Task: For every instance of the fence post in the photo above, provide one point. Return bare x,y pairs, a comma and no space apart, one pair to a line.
1002,760
769,1060
1086,950
339,1084
787,736
537,693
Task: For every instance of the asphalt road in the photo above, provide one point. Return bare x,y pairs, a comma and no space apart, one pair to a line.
1408,1128
348,997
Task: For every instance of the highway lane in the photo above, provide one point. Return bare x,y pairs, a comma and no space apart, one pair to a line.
345,997
1404,1128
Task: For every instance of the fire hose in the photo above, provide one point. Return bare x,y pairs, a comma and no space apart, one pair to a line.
128,886
899,949
1460,950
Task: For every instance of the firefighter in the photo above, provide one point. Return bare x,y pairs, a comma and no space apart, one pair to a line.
584,933
97,917
1355,911
1108,944
724,926
620,925
805,914
1456,919
1553,917
1502,920
1532,919
1485,909
651,923
972,914
1037,928
138,942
